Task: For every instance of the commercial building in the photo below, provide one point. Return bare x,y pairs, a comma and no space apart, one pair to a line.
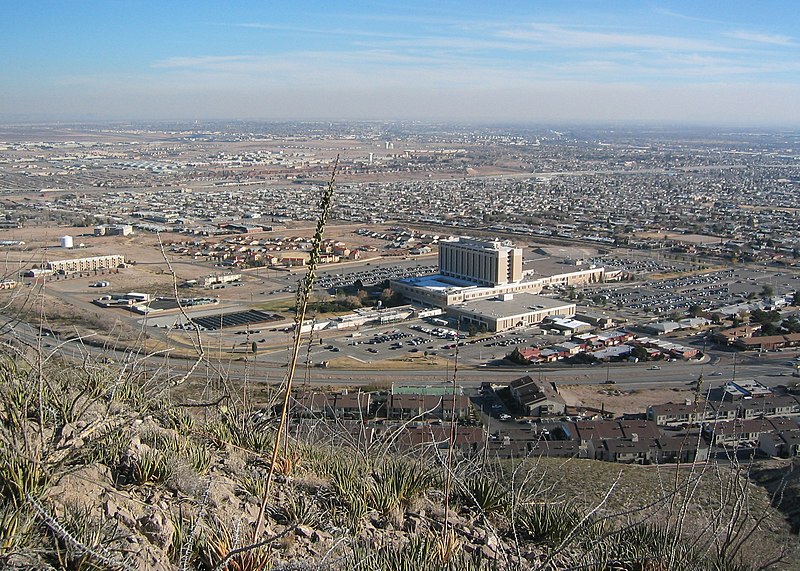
86,264
216,279
113,230
508,311
481,282
488,263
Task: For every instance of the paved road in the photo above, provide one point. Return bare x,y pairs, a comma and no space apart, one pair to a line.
771,368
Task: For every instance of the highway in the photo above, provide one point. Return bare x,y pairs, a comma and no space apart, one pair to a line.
771,368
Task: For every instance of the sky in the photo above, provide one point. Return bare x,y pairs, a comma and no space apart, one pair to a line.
708,62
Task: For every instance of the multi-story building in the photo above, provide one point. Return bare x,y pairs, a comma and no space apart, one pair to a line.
471,270
86,264
484,262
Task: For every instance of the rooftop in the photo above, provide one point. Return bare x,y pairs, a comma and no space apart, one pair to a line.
520,303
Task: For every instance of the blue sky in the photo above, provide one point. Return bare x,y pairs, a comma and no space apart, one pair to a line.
731,62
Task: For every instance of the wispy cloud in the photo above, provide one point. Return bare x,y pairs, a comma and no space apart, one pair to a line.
558,36
317,31
771,39
681,16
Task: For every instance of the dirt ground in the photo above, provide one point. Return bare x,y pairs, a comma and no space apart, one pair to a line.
620,401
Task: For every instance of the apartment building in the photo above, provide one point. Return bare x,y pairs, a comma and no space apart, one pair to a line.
86,264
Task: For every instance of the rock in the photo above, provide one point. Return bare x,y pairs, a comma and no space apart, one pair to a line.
322,536
411,525
304,531
488,552
157,528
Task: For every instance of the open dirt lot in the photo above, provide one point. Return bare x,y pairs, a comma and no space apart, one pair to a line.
620,401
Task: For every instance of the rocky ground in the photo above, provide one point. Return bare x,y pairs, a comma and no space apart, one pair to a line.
100,470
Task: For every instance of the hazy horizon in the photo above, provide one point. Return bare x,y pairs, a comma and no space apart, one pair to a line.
659,63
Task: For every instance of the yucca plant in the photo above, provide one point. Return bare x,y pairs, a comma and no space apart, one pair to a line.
17,529
218,544
167,443
297,509
421,552
185,526
253,485
198,456
219,432
173,417
16,395
485,494
547,523
150,467
396,482
109,448
257,440
20,477
84,542
355,508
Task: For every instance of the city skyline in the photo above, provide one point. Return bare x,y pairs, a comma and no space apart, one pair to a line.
629,62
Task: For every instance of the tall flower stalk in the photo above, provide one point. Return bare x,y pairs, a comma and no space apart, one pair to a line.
300,304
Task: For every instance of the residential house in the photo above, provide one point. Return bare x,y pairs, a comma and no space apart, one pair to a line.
352,405
783,444
672,414
537,398
736,432
785,405
624,450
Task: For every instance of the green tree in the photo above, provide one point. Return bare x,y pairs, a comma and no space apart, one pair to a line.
761,316
639,352
767,290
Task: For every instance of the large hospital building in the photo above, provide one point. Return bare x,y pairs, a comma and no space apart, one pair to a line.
488,263
472,272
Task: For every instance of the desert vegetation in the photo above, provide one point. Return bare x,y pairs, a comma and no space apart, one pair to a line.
103,466
102,469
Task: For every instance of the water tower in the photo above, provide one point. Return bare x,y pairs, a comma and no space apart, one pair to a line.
66,241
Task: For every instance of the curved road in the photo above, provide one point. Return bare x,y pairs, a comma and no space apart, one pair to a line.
771,369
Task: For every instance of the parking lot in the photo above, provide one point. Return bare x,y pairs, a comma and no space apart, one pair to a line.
376,275
710,291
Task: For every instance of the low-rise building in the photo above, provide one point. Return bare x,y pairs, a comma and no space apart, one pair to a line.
509,311
537,398
677,414
785,405
408,406
783,444
86,264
